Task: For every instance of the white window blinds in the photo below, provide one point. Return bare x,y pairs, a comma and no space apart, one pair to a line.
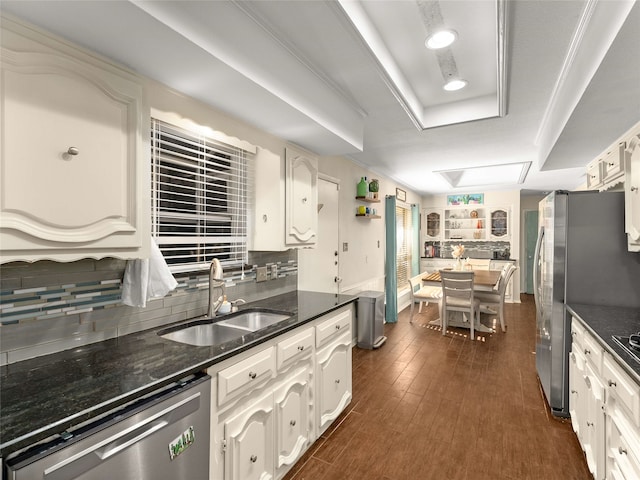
199,198
403,242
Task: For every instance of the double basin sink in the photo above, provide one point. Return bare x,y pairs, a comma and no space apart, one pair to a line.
208,332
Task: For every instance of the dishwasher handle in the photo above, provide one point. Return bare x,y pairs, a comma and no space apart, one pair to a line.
93,456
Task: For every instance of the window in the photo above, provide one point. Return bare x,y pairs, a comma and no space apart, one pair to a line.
199,198
403,241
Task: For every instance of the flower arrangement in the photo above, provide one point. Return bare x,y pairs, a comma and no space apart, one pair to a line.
457,251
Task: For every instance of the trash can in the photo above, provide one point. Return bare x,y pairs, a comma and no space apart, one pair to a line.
371,319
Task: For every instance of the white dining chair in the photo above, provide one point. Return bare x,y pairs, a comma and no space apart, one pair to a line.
458,296
495,298
422,293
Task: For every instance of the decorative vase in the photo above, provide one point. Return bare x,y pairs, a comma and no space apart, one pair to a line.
374,187
458,263
362,188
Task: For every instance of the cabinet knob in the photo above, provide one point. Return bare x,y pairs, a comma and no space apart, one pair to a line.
292,423
589,424
301,347
573,392
622,451
264,218
304,200
612,383
337,327
587,351
337,380
634,189
252,375
73,151
253,458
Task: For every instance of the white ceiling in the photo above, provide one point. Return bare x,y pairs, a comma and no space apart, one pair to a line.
354,78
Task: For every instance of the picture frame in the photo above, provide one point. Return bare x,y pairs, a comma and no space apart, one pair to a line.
466,199
401,195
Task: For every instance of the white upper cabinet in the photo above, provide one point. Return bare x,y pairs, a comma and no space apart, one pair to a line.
285,200
432,228
75,156
499,224
301,198
632,191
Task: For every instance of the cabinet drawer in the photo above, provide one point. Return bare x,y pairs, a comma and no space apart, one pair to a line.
577,335
623,387
339,323
244,375
592,352
295,347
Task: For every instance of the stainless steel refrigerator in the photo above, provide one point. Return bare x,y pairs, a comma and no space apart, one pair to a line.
581,258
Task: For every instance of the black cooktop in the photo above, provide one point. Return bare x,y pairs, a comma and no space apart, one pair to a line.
629,348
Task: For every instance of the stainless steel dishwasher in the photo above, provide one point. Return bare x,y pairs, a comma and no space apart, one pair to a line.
162,436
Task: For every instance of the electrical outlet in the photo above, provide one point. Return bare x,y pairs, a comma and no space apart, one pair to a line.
261,274
274,271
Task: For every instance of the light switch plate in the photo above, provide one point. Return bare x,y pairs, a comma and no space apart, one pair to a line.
261,274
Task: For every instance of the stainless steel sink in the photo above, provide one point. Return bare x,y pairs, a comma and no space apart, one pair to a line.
203,335
207,333
254,320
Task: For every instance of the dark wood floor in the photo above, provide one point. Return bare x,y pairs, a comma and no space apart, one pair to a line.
432,407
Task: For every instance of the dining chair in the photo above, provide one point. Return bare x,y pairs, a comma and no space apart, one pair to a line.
422,293
495,298
458,296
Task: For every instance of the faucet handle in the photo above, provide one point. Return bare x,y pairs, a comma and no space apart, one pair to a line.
235,303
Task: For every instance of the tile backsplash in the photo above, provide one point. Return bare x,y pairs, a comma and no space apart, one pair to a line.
48,306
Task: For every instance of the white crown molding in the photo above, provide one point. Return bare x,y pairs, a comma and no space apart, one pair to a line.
595,32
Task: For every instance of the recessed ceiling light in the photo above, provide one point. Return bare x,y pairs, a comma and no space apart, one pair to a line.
440,39
455,84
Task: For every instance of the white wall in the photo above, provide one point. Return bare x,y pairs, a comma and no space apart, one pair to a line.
362,266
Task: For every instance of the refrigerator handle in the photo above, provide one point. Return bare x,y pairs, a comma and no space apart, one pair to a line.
536,269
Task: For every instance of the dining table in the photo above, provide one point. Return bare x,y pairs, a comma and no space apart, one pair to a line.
483,281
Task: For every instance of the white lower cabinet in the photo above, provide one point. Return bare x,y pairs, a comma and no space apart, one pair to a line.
268,407
604,406
293,416
334,380
248,442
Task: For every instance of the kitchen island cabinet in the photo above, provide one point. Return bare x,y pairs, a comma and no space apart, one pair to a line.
75,156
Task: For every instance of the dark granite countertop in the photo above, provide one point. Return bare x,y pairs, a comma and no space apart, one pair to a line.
44,396
603,322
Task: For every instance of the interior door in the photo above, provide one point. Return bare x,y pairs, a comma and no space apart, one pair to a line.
318,267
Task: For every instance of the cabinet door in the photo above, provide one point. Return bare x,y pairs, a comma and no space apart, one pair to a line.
499,228
249,442
594,174
334,380
268,231
301,198
594,425
577,391
75,160
292,403
432,228
632,193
